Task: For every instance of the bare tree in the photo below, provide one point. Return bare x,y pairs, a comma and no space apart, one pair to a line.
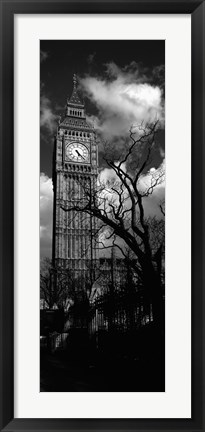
57,285
119,205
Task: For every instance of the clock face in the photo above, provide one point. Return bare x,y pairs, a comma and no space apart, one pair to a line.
77,152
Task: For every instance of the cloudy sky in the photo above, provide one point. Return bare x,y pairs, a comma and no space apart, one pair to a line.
121,82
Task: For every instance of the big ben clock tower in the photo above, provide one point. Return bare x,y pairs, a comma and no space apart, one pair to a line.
75,165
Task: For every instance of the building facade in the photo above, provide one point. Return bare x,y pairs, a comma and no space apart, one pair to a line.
75,171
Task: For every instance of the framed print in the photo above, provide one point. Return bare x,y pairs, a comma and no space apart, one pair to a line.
95,98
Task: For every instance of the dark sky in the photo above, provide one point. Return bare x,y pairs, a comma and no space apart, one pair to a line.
61,59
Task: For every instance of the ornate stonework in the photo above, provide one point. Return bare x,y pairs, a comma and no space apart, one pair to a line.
75,166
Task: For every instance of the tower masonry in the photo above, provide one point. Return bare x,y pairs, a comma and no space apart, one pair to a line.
75,171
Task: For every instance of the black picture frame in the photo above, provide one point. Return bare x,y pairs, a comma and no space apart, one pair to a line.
8,8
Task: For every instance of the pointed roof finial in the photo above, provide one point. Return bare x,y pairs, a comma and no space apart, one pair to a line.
74,80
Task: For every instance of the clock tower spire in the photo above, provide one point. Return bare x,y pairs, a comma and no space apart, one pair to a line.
75,164
75,106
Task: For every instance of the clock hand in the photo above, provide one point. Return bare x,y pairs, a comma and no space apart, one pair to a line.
79,154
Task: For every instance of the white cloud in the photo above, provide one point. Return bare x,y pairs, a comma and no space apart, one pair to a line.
109,175
43,55
151,203
151,176
46,214
48,118
123,99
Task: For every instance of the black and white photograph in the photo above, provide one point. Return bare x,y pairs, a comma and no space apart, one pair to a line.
102,216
